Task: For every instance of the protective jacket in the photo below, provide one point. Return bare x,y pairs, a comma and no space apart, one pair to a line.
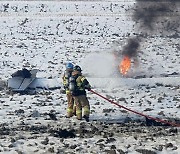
66,77
80,84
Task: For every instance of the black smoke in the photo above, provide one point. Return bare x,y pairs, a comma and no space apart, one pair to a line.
153,17
147,16
132,47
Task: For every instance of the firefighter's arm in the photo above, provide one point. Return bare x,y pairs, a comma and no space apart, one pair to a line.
86,83
65,84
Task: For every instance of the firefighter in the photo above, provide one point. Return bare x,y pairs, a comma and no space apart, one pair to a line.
66,76
78,85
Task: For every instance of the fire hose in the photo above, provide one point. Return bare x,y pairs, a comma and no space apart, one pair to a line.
141,114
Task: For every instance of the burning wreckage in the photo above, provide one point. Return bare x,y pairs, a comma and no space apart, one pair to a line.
25,81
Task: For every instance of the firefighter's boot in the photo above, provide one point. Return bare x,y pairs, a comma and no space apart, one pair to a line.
86,118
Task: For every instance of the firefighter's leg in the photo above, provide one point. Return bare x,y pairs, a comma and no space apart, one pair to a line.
70,105
74,108
85,106
78,107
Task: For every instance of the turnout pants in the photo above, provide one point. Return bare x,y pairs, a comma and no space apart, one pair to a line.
71,109
82,103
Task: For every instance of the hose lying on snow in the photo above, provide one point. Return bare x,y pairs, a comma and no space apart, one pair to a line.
141,114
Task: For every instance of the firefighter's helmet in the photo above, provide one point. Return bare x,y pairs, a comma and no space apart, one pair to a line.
77,68
69,66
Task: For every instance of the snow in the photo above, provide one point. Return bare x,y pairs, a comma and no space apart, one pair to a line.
45,35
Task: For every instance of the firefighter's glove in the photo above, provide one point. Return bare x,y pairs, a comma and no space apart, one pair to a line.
88,87
66,86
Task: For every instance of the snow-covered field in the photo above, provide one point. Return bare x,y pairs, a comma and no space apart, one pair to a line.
45,35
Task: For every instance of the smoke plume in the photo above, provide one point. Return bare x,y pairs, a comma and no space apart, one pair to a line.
159,17
153,15
132,47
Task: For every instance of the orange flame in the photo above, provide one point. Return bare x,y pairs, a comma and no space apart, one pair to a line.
125,65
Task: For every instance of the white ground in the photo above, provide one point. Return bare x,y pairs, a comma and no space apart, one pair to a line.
47,34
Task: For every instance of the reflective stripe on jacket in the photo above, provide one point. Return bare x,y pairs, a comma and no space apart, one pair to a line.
81,83
65,78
